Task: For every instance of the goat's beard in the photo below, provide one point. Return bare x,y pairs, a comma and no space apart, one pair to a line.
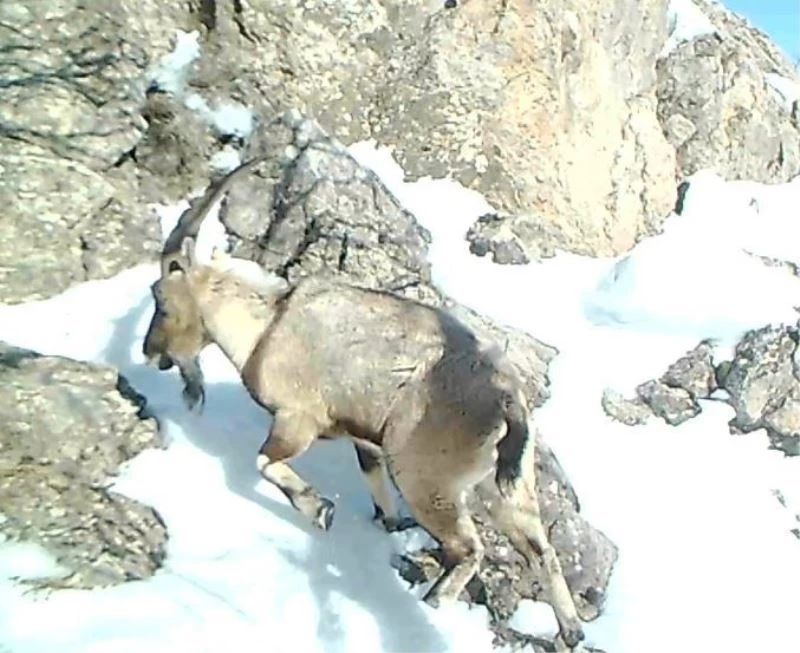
194,393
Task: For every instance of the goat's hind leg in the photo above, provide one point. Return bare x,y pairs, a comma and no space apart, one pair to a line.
516,512
371,465
441,510
292,434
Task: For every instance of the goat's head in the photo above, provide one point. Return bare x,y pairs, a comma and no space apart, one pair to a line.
177,334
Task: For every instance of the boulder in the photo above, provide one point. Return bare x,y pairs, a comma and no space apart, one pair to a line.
65,428
673,405
763,381
631,412
728,101
69,117
674,396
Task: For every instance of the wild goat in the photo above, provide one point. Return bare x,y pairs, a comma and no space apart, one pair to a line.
407,383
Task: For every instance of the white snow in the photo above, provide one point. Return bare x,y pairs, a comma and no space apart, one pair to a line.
534,618
27,561
685,21
225,160
706,553
169,74
228,119
788,89
710,246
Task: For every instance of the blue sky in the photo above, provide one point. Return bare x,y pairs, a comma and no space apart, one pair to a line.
778,18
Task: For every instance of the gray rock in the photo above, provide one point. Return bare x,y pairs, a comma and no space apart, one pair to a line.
763,384
631,412
65,428
309,208
69,117
673,405
492,234
174,150
673,396
312,207
547,109
693,372
517,641
719,108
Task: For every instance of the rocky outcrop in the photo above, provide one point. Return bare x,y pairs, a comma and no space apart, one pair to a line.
763,381
67,119
66,427
728,100
674,396
549,110
311,207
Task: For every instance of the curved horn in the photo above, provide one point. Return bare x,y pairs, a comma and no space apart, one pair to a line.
179,246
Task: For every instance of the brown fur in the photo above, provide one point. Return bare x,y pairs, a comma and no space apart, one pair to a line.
408,383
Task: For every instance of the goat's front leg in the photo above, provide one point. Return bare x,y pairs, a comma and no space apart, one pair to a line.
293,433
374,473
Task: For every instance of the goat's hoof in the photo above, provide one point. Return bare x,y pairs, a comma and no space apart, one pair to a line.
572,637
432,599
398,524
324,517
392,524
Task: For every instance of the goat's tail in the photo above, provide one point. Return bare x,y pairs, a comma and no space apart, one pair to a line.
515,450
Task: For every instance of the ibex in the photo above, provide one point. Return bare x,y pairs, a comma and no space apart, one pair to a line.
409,384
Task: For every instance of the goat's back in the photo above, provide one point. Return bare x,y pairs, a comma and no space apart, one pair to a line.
361,356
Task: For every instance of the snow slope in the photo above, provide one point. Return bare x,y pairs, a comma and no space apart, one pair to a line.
691,508
685,21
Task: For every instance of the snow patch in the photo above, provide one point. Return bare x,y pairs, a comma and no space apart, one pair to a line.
27,561
685,22
700,276
534,618
788,89
169,74
228,118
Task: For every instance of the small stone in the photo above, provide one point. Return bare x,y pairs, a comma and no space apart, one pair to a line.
632,412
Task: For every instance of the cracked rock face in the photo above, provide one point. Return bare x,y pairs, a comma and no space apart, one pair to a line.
65,428
312,207
548,109
720,107
67,118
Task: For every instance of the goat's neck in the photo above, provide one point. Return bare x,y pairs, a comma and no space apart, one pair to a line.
235,317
